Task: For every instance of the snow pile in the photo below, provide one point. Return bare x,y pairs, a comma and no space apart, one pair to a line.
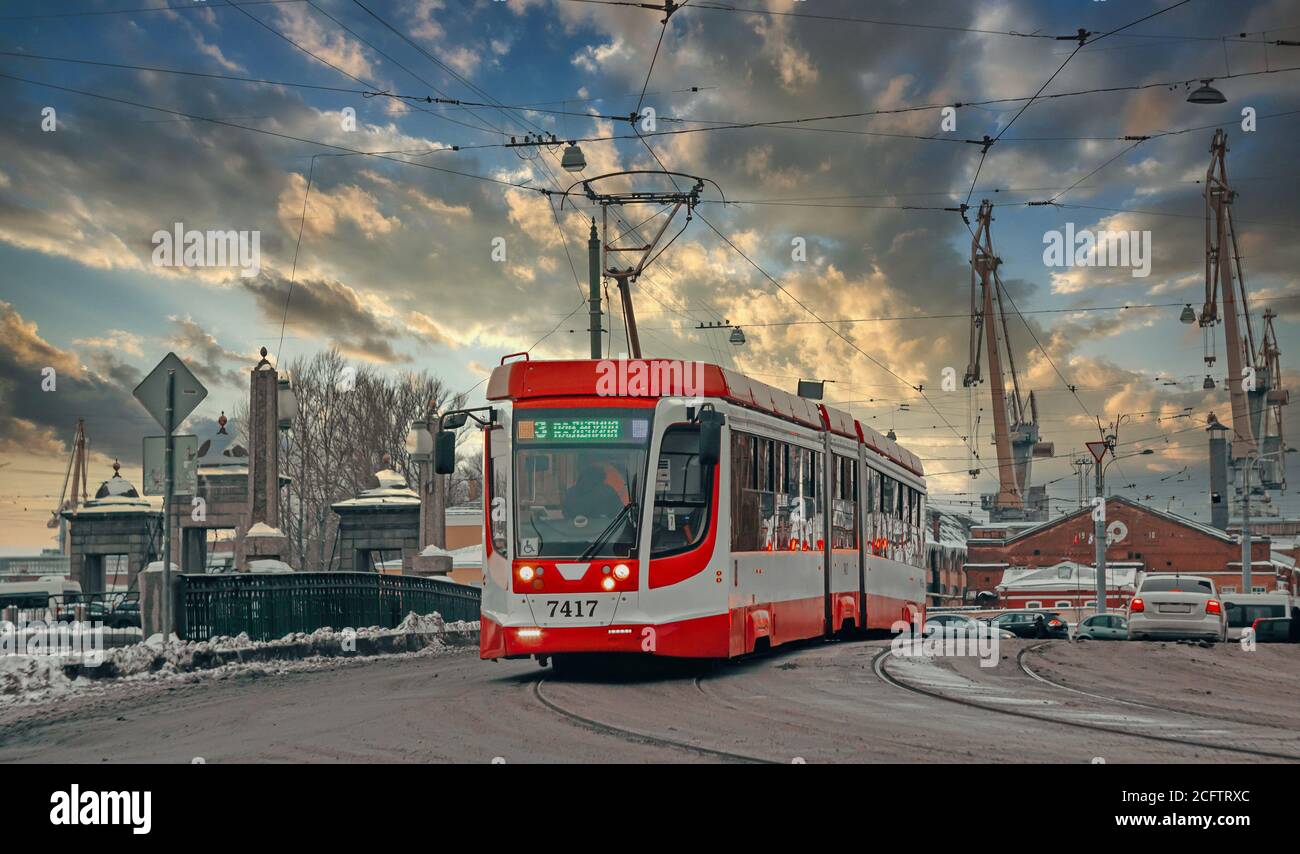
422,623
26,678
25,675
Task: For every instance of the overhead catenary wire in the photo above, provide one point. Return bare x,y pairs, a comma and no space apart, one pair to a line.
221,122
837,332
712,125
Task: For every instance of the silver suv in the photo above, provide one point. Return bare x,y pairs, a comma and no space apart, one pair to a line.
1169,605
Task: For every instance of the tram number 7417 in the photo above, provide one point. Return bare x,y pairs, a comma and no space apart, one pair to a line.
571,607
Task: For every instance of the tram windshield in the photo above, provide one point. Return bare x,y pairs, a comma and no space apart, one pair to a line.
578,474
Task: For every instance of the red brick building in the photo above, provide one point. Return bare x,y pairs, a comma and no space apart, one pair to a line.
1137,535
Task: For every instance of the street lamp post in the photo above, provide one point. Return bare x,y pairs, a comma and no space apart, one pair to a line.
1251,459
420,444
1245,524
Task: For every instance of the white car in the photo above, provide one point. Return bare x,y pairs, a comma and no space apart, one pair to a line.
960,625
1169,605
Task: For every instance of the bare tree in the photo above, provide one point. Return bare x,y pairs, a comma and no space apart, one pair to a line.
350,417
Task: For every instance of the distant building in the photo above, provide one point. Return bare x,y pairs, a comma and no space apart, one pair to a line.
946,557
465,541
32,567
1139,538
1067,585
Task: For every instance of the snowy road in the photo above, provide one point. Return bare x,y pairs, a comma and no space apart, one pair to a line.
818,703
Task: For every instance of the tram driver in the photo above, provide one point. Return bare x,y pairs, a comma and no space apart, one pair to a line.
600,491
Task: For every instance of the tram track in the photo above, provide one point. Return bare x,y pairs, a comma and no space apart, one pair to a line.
607,728
878,666
1033,674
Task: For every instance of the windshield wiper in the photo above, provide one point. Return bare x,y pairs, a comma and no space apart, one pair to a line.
609,529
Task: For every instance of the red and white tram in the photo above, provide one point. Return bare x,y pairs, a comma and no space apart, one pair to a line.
680,509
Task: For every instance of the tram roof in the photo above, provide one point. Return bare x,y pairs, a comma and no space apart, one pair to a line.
526,379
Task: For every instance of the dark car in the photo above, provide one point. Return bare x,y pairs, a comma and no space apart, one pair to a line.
1275,630
1033,624
120,614
125,615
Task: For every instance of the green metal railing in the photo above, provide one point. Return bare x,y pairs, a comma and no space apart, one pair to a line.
272,606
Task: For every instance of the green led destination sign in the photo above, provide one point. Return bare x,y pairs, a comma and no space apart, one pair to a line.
583,429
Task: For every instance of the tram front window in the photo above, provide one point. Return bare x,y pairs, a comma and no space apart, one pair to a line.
578,474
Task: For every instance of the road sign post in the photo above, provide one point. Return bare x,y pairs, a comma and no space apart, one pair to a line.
169,485
170,393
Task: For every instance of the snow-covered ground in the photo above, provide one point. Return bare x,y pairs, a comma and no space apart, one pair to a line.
41,678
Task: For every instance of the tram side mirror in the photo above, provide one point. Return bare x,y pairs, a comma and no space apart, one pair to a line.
444,452
710,437
454,420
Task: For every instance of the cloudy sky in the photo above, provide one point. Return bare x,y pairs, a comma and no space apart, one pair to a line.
394,248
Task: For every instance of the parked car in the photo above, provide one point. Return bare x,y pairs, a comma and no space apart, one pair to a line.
118,613
1245,608
1177,606
1103,627
1032,624
960,625
124,614
1276,630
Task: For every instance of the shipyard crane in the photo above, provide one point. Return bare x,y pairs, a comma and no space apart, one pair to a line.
76,472
1254,372
1015,416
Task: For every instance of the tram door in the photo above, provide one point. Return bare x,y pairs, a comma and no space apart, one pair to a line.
826,461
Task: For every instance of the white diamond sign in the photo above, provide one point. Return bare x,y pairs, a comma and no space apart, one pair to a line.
152,392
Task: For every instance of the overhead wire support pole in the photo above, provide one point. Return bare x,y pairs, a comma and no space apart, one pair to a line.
625,276
593,295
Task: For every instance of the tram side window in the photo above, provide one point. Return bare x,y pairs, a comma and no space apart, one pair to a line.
888,499
767,492
745,527
844,510
872,506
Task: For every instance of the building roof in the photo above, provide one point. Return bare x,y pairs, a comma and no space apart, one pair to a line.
1208,530
116,486
220,449
1068,575
953,528
392,491
115,495
466,511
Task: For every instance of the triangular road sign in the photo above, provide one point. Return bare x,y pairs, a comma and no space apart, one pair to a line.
152,392
1097,449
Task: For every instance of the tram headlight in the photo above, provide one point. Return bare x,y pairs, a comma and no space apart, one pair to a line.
607,583
526,573
621,572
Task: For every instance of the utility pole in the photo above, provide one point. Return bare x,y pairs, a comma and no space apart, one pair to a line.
1245,525
1099,536
1080,465
593,294
1098,451
599,248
